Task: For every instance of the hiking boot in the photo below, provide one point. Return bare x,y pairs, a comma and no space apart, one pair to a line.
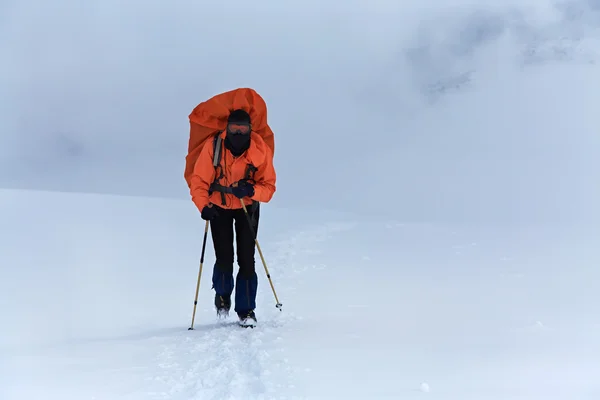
247,318
223,304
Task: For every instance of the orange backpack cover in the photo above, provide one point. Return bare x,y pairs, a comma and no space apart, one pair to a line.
210,118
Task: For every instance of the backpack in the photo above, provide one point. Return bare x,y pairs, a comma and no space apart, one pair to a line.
209,118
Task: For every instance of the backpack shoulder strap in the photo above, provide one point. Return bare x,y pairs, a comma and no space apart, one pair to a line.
215,186
217,150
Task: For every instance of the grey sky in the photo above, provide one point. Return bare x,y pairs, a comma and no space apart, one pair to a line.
423,111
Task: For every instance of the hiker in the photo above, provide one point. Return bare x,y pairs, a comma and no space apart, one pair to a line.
244,172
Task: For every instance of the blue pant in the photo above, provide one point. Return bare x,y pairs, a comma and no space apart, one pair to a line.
246,281
245,287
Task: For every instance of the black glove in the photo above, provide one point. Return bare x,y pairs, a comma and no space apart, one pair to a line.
209,213
243,189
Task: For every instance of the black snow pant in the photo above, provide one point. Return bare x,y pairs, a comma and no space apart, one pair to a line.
222,230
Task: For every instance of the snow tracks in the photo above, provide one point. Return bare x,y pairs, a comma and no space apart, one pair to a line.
220,360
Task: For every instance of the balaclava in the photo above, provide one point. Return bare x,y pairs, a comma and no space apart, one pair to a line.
238,140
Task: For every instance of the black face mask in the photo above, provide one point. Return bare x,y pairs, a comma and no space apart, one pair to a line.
237,143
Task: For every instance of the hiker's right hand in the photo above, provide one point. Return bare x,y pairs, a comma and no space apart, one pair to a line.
208,213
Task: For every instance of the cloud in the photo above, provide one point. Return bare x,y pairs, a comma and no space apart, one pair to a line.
416,110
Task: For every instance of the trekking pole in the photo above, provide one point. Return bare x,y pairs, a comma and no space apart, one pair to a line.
278,305
199,275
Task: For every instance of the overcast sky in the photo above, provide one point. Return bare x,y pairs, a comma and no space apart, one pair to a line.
430,111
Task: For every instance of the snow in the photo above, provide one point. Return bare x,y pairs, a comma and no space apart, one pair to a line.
435,231
97,296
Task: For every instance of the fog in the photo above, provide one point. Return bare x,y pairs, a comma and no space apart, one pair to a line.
447,111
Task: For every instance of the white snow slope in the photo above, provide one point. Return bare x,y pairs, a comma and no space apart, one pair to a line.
97,296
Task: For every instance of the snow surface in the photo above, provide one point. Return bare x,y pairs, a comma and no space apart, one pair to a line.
455,143
97,296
